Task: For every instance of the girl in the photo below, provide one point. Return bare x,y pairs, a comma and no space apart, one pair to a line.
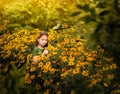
41,43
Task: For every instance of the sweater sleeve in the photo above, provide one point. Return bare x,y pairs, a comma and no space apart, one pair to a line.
36,52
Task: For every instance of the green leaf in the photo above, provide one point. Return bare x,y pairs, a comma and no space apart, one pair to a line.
85,7
57,26
76,13
106,80
87,18
93,13
79,6
104,13
101,5
14,25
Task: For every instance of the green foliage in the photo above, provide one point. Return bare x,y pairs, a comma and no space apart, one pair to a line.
106,17
13,82
103,17
40,14
90,71
70,65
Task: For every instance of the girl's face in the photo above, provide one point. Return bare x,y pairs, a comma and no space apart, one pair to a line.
43,40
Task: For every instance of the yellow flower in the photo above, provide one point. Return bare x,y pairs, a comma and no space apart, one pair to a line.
63,53
38,87
40,64
108,59
48,63
39,57
65,25
52,70
8,53
71,59
5,69
73,49
66,40
32,69
27,75
72,30
64,74
93,83
48,82
113,66
85,72
105,68
47,91
58,45
12,62
80,49
64,58
90,58
110,76
57,85
28,81
72,40
70,63
76,71
58,92
82,58
63,44
99,79
106,84
45,69
64,69
32,76
68,52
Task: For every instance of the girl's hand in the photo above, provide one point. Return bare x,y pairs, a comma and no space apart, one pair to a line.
45,52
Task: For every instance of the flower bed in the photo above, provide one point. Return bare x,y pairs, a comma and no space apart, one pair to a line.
70,67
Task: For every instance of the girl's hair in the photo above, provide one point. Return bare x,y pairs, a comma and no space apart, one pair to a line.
41,34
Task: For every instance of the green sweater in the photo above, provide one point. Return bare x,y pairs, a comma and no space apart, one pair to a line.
37,51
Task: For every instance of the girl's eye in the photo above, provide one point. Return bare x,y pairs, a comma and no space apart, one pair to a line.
44,40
